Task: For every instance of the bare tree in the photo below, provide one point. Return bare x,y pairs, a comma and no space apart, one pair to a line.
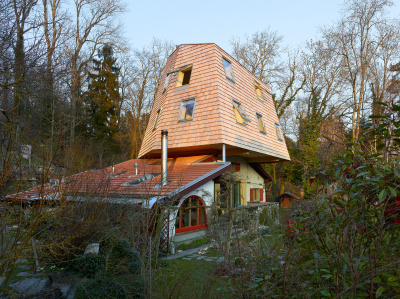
260,54
357,41
148,67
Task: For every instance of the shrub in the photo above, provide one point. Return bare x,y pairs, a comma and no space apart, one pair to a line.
125,286
88,265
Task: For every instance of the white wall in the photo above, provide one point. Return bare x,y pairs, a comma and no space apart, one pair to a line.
253,179
205,192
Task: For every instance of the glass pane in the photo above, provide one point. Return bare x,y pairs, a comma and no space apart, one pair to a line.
157,116
260,123
194,217
187,109
202,216
185,218
178,220
228,69
166,83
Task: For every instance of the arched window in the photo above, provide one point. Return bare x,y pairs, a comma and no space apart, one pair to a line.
191,215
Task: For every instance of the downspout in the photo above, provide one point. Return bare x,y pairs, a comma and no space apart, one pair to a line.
164,157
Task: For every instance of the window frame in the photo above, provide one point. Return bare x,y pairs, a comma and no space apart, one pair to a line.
246,118
233,73
157,118
184,69
180,108
257,87
258,117
166,83
179,217
280,134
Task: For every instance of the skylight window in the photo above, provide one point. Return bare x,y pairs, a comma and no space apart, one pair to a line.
228,69
278,132
183,77
258,92
166,83
156,120
140,180
240,114
261,123
117,174
187,110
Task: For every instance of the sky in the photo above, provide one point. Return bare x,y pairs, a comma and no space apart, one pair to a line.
217,21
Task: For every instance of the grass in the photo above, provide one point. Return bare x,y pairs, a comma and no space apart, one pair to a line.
194,244
188,279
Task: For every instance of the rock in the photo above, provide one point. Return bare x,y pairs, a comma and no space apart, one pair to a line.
67,290
23,274
92,248
29,285
24,267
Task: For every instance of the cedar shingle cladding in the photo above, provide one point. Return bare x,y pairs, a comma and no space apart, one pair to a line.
213,122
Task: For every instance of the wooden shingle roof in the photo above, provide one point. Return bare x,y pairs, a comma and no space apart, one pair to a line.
214,121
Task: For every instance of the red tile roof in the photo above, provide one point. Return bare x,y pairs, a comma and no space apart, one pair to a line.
184,175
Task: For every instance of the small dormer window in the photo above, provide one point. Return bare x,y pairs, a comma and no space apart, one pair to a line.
278,132
166,83
240,114
156,120
258,92
261,123
228,69
187,110
183,77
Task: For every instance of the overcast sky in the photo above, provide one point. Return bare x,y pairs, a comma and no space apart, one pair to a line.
216,21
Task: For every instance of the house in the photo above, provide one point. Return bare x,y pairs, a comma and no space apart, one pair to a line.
211,116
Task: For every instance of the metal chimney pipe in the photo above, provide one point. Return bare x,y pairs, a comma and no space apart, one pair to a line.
136,164
164,157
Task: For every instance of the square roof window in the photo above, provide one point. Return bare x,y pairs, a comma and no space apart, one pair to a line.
259,92
278,132
156,120
166,83
261,125
240,114
228,69
186,110
183,77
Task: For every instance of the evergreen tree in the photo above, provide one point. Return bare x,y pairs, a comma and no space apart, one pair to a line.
310,132
102,104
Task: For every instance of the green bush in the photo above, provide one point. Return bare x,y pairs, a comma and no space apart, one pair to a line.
88,265
125,286
343,243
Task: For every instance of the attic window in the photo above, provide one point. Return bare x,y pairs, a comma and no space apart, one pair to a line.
261,123
156,120
228,69
183,77
240,114
166,83
140,180
258,92
187,110
117,174
278,132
